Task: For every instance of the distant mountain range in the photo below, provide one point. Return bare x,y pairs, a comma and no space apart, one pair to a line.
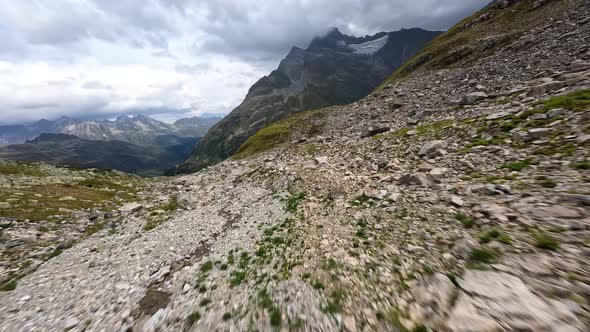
137,144
62,149
139,129
334,69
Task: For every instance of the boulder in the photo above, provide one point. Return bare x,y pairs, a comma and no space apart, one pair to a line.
556,211
434,298
457,201
321,160
544,88
506,298
539,132
374,131
130,208
431,148
419,179
472,98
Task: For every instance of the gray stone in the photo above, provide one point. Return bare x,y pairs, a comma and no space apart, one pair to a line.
539,132
431,147
498,115
542,89
130,208
556,112
582,200
419,179
508,300
321,160
556,211
434,298
457,201
538,116
472,98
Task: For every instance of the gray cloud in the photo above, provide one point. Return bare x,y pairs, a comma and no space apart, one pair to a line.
108,57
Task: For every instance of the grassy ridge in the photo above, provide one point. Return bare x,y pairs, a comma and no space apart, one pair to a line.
309,123
466,41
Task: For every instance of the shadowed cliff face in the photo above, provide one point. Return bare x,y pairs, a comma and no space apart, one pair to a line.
334,69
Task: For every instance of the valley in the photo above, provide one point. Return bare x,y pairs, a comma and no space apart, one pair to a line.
139,144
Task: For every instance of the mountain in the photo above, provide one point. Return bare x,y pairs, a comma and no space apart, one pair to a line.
334,69
61,149
139,130
196,126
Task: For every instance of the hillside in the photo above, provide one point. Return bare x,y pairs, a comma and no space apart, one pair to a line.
456,197
335,69
59,149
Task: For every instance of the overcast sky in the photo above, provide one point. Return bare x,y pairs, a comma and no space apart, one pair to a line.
172,58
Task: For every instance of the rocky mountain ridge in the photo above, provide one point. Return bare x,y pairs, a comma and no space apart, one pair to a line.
454,198
334,69
140,129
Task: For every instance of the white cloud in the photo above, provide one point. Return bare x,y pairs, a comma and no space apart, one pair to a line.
91,58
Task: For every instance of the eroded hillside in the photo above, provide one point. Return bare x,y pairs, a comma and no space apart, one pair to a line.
453,199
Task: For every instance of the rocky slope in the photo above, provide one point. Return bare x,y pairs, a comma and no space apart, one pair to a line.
334,69
456,198
164,153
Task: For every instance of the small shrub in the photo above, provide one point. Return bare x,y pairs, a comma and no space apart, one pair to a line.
9,286
237,278
317,285
489,235
208,266
483,255
334,305
275,317
505,239
464,219
193,318
546,182
517,166
545,241
581,166
293,202
226,316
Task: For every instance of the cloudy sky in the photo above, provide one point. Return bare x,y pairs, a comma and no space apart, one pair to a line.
172,58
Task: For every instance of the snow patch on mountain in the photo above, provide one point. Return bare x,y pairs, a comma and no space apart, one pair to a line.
370,47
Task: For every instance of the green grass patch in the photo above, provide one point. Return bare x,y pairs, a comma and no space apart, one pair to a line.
517,166
9,286
193,318
546,182
489,235
482,255
575,101
335,302
21,169
275,317
584,165
236,278
308,123
293,202
207,266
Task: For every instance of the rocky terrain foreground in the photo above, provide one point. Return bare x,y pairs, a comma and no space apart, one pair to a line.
456,198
